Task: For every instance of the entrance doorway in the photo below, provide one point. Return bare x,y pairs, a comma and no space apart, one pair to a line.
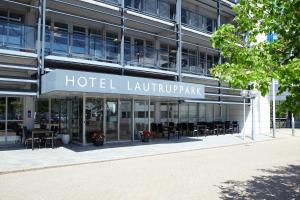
94,111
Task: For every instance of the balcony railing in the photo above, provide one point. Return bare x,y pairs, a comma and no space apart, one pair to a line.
197,21
149,57
156,8
18,37
93,47
195,64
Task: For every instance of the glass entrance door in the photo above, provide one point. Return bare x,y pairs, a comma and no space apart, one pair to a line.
94,117
112,120
125,120
75,119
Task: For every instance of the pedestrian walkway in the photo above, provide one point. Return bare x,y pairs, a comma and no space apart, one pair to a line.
12,160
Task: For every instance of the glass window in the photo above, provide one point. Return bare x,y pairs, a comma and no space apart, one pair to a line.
96,45
164,9
193,117
60,38
209,24
2,119
42,116
15,108
127,49
151,6
2,108
164,56
112,120
150,57
78,40
112,46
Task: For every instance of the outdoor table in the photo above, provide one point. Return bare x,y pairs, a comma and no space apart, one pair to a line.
41,131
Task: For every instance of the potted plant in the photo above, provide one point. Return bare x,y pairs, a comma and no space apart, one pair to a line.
65,137
146,136
98,139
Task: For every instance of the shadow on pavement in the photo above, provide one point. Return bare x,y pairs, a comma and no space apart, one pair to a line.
281,183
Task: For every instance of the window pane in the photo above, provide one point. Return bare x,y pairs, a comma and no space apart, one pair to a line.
15,108
2,108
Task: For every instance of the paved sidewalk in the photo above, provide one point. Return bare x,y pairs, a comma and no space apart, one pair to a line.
12,160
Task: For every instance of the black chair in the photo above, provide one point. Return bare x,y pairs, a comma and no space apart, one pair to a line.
160,128
202,128
153,129
228,127
191,128
29,140
184,128
221,127
212,128
236,126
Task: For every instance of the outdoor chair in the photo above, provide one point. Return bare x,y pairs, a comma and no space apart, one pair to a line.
212,128
192,130
236,127
154,129
228,127
29,140
184,128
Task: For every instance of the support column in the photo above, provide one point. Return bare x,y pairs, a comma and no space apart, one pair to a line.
104,119
274,108
122,35
178,39
38,47
119,117
43,36
132,118
218,25
83,120
149,114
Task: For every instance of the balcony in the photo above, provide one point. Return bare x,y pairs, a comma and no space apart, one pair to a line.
98,48
156,8
149,57
198,22
17,37
197,63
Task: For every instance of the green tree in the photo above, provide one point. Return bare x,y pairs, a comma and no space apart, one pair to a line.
249,60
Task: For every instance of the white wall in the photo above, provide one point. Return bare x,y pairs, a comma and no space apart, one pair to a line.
261,116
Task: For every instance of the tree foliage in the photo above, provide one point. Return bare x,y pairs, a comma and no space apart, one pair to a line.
250,60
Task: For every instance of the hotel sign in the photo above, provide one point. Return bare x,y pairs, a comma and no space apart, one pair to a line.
88,82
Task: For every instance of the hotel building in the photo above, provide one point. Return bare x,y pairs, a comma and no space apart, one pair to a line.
115,66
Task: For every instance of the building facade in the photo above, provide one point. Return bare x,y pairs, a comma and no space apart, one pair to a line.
114,66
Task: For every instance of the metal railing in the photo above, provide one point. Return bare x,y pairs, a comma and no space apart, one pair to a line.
149,57
156,8
17,36
194,64
198,21
93,47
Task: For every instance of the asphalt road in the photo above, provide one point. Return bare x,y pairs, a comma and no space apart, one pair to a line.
262,170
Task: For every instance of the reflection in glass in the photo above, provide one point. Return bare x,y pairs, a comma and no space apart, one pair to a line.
94,117
14,108
141,116
112,120
125,120
59,115
42,117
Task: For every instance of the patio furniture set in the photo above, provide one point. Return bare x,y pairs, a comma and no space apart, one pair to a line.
160,130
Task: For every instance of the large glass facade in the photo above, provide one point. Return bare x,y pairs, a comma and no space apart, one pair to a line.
11,119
